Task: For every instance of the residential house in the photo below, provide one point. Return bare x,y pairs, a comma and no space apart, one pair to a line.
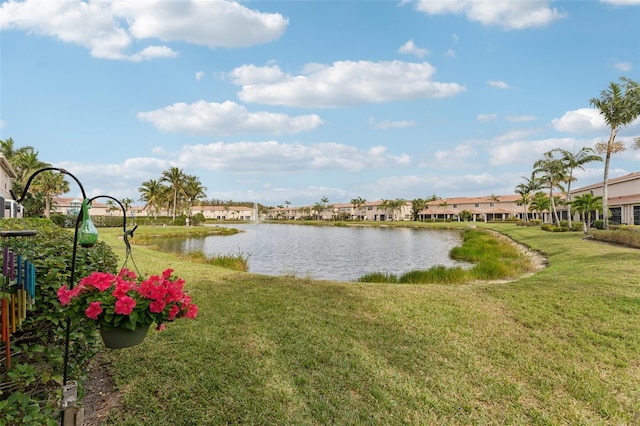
72,206
623,198
10,207
486,208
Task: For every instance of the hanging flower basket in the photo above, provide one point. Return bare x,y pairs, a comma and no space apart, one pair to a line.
120,338
124,306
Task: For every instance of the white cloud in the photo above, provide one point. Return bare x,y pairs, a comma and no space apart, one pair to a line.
411,48
498,84
520,118
454,157
274,157
199,75
123,178
341,84
486,117
225,118
510,15
525,152
387,124
108,28
408,186
450,53
622,66
515,135
622,2
583,120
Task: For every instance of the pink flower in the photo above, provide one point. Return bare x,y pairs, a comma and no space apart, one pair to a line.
157,306
161,327
125,305
64,295
192,311
167,274
127,274
100,280
93,310
173,312
122,288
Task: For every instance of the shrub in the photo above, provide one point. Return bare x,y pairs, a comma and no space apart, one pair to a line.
598,224
623,237
378,277
435,274
29,389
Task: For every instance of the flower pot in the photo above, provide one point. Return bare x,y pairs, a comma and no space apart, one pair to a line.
119,338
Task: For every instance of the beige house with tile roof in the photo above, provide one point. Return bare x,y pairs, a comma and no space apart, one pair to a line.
624,198
624,203
72,206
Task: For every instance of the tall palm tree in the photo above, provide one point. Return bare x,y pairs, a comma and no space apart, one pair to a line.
396,206
50,185
193,190
572,161
25,162
357,204
525,190
585,204
551,172
417,205
175,178
318,207
151,193
619,104
384,206
7,148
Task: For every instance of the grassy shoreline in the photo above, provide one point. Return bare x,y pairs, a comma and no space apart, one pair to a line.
557,347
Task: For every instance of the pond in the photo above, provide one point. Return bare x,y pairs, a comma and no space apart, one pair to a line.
342,253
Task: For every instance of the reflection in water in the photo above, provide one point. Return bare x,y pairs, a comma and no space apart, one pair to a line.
328,252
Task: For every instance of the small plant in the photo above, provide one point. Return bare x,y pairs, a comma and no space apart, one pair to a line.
125,301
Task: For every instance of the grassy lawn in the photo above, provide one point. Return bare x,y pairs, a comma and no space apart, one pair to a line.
559,347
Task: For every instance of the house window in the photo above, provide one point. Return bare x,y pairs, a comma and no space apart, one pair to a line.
476,205
491,205
455,206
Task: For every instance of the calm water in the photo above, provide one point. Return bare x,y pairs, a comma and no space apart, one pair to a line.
326,252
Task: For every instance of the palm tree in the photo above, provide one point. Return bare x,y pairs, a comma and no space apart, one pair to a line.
384,206
50,185
551,172
324,204
585,204
357,204
193,190
572,161
396,206
620,106
417,205
126,203
151,193
526,190
318,207
7,148
444,205
175,178
539,203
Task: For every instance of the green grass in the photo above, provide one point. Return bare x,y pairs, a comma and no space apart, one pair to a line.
493,258
559,347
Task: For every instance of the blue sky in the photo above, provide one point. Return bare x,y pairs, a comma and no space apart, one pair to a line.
274,101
